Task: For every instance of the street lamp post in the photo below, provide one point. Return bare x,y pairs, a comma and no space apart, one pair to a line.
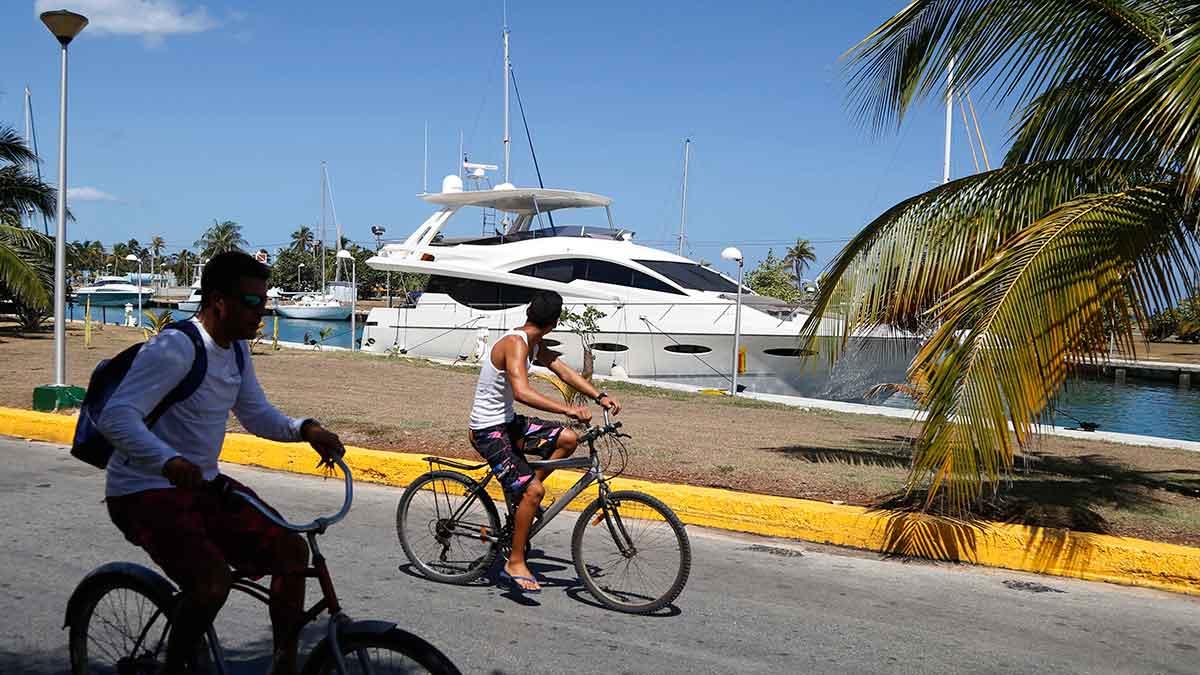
732,253
64,26
345,255
133,258
298,268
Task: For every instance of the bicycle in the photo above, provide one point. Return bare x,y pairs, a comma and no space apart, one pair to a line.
450,530
134,603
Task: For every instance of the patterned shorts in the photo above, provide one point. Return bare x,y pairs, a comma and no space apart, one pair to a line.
502,446
188,531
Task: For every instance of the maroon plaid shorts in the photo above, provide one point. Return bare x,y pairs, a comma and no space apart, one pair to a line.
187,532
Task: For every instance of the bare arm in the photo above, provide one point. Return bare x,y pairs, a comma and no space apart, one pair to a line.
549,359
516,352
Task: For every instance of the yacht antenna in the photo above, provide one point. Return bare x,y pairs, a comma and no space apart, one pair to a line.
506,69
425,164
687,147
949,118
461,157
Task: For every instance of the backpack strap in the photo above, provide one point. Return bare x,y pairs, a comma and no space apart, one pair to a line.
240,356
190,382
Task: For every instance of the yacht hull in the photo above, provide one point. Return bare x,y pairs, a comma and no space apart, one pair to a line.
323,313
772,363
116,299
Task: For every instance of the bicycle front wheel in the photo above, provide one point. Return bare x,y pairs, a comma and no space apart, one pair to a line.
121,626
448,525
634,556
393,651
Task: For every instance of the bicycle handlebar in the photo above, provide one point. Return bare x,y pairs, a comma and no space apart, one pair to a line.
318,524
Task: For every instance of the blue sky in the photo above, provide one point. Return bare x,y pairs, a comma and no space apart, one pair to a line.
182,112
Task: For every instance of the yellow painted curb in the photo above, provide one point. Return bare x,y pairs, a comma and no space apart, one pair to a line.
1059,552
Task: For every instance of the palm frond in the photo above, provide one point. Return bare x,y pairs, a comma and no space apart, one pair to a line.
24,265
21,192
1058,121
1157,104
1008,335
13,148
907,259
1018,48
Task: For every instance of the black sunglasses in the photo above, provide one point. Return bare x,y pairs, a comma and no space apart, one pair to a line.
251,300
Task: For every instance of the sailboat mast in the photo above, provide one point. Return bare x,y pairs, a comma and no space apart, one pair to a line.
949,119
687,147
323,256
506,74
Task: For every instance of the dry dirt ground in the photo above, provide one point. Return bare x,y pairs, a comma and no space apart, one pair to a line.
412,406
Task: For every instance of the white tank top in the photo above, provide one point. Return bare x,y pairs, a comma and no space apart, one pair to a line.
493,394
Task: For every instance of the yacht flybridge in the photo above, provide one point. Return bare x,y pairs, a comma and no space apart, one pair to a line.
665,316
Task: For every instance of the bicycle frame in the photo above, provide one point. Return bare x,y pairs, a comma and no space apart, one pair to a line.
318,570
594,474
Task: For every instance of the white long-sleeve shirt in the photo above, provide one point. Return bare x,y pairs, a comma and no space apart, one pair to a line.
193,428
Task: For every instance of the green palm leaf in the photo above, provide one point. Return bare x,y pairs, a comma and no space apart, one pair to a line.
907,259
13,148
1017,48
24,265
1008,335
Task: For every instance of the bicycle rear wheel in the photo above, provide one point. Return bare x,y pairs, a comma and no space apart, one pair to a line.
393,651
447,524
635,555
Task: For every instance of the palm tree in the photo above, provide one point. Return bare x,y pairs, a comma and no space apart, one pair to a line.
1020,271
221,237
21,266
155,249
183,263
800,257
302,239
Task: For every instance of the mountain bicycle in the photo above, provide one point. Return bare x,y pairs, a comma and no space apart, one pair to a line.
630,550
120,616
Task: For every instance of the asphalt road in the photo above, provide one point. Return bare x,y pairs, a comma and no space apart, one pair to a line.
752,604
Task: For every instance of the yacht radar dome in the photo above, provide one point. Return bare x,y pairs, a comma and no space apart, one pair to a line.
505,186
452,183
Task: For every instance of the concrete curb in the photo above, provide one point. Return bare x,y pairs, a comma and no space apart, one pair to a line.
1095,557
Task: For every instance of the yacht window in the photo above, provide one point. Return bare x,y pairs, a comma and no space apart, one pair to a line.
480,294
566,270
691,275
609,347
687,349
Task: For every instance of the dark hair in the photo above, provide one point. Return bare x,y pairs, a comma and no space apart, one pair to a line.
544,308
224,272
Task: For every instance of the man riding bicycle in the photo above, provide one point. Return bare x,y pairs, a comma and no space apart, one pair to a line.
501,436
155,478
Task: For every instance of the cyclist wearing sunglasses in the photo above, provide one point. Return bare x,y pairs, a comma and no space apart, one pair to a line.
154,479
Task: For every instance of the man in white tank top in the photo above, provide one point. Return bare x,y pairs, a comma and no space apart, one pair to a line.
501,436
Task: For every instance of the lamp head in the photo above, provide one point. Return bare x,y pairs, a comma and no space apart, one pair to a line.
345,255
132,258
732,253
64,24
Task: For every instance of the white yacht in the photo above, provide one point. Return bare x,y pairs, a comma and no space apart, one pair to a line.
112,292
314,306
666,317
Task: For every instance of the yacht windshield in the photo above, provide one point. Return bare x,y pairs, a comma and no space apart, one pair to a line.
691,276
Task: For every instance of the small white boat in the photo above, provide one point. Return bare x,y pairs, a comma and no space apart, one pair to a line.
316,306
112,292
192,304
